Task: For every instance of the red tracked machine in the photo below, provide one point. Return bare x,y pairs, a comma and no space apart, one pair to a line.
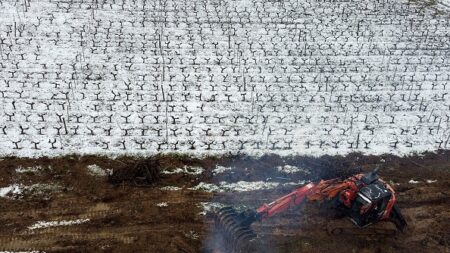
364,198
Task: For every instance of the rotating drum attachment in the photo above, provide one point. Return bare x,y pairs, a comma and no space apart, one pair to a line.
232,230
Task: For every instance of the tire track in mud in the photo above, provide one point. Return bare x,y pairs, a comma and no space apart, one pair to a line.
71,216
53,236
76,236
39,239
83,212
124,234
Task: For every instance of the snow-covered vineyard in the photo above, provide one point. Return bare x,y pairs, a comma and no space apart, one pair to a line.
212,76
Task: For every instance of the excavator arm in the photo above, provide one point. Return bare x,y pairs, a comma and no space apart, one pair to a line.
325,189
234,227
282,204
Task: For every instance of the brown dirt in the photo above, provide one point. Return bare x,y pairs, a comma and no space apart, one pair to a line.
126,218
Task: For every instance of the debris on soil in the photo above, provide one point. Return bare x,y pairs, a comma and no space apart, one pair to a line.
192,235
142,173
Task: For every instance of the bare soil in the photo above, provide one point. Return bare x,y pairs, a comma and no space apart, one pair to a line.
129,217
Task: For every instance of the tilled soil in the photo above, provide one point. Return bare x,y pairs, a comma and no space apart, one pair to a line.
129,217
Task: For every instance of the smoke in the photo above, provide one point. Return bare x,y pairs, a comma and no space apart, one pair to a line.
244,182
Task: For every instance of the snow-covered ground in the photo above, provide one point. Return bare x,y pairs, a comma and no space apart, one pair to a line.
446,3
211,77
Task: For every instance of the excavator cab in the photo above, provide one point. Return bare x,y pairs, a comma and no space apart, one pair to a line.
369,204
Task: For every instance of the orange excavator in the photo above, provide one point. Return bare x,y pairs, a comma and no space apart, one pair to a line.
364,198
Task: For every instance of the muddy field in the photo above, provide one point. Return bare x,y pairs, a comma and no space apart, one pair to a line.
70,204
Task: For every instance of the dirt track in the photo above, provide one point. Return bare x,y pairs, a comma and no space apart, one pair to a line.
127,218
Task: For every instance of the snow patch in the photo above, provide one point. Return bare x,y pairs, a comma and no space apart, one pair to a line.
41,189
412,181
290,169
96,170
299,183
206,187
210,207
445,3
12,190
241,186
170,188
221,169
429,181
17,190
162,204
186,170
47,224
31,169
